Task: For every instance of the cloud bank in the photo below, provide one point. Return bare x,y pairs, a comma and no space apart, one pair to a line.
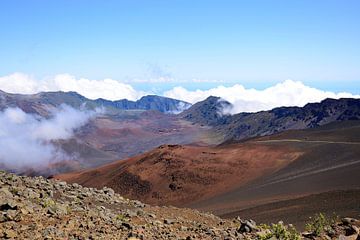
26,139
107,88
286,93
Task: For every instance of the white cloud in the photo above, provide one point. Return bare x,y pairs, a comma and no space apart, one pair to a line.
26,139
287,93
107,88
152,80
18,83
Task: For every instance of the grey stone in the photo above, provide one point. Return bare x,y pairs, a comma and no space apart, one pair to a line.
169,221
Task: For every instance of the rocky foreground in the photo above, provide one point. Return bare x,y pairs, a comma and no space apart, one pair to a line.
38,208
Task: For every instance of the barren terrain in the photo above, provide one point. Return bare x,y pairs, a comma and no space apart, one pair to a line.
178,175
232,177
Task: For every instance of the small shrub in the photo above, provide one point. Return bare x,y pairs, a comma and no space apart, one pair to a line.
121,217
68,209
320,223
48,203
14,190
279,231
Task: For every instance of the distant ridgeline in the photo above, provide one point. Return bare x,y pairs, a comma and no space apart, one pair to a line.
246,125
35,103
208,112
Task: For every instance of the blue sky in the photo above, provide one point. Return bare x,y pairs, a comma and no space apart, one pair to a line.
255,43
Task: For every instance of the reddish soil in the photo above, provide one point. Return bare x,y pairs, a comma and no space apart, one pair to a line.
235,178
177,175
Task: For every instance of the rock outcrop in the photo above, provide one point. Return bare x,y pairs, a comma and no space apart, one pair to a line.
39,208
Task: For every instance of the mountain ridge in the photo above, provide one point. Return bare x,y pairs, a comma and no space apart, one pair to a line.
30,102
246,125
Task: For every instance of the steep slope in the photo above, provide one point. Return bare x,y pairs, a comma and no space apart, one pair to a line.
329,162
247,125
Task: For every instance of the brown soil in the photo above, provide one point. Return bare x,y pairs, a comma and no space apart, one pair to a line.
231,178
177,175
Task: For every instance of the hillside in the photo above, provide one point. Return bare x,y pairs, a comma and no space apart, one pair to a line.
298,210
329,162
178,175
38,208
247,125
235,176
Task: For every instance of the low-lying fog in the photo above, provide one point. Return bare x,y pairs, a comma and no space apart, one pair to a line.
26,140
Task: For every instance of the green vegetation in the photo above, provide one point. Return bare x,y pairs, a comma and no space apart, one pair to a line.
14,190
121,217
48,203
320,223
68,209
317,225
278,231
